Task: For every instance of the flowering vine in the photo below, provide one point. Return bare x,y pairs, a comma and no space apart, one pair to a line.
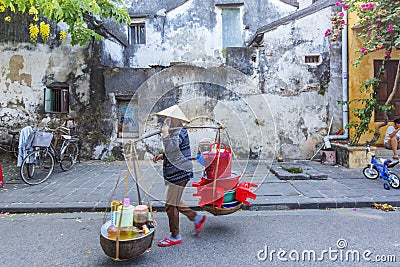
33,32
72,12
379,24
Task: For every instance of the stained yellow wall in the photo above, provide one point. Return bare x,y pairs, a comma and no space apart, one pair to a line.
359,74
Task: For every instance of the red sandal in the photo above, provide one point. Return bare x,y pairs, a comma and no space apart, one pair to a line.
166,242
198,227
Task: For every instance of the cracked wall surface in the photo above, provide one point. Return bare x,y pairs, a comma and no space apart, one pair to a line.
26,69
287,107
303,97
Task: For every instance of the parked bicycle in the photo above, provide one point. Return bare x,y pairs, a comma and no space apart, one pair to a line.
376,169
38,165
11,147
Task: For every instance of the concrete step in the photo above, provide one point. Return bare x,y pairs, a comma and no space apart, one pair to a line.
382,152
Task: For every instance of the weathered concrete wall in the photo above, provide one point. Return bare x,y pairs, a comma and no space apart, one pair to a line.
303,96
177,32
300,98
210,95
26,69
268,98
190,31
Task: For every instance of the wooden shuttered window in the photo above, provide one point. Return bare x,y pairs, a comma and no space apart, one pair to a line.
56,100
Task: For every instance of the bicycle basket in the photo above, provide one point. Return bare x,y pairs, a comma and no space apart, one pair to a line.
42,139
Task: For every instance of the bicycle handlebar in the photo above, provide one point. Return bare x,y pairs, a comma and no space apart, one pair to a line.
368,151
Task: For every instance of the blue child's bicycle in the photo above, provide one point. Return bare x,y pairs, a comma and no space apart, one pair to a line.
376,169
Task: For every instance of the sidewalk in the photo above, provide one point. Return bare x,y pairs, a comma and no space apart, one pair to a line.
89,186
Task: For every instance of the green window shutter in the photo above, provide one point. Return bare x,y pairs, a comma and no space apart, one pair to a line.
231,33
48,100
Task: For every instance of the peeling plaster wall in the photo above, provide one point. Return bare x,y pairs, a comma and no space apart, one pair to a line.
283,84
300,123
291,86
25,71
220,95
192,31
113,54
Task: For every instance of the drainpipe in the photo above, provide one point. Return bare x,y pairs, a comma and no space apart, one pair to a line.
345,83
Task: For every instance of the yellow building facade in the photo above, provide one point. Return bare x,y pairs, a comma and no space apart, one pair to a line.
358,75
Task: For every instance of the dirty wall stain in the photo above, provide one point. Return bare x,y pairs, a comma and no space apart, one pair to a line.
16,64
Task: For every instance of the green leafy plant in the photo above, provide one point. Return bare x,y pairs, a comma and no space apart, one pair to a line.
111,158
379,22
77,14
293,169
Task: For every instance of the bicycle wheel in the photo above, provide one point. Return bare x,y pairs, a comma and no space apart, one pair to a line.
37,167
371,173
14,148
68,156
394,180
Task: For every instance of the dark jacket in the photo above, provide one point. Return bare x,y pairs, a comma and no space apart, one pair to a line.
177,165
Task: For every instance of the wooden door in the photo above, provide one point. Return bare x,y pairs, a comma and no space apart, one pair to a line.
386,88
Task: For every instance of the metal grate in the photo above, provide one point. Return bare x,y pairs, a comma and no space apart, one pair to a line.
137,33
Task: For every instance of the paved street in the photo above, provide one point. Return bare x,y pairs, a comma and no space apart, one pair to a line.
89,187
308,237
309,211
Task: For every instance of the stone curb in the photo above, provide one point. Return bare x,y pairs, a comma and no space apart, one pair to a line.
333,204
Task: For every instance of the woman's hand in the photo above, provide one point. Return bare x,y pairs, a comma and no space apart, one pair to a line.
158,157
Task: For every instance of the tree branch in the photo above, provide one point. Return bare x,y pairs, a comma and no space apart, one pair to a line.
388,101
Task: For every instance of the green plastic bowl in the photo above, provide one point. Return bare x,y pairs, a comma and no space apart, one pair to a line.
229,196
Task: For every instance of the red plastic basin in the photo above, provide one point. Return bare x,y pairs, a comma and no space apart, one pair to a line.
227,183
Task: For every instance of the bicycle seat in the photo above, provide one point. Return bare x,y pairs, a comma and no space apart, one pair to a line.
392,164
66,137
13,132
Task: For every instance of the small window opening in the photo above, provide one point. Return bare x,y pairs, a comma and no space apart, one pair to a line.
312,59
56,99
137,33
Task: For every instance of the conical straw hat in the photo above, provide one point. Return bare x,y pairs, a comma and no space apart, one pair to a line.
173,112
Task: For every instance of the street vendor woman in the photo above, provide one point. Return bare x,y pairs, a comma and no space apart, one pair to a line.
177,171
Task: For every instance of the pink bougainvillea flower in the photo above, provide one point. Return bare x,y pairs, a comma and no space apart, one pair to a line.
328,32
341,14
342,22
345,6
364,50
390,27
368,32
368,6
337,4
387,53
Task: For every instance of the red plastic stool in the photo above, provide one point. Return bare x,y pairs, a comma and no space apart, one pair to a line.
243,192
1,176
208,195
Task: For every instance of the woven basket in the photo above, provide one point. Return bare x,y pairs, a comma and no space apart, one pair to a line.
222,211
128,249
